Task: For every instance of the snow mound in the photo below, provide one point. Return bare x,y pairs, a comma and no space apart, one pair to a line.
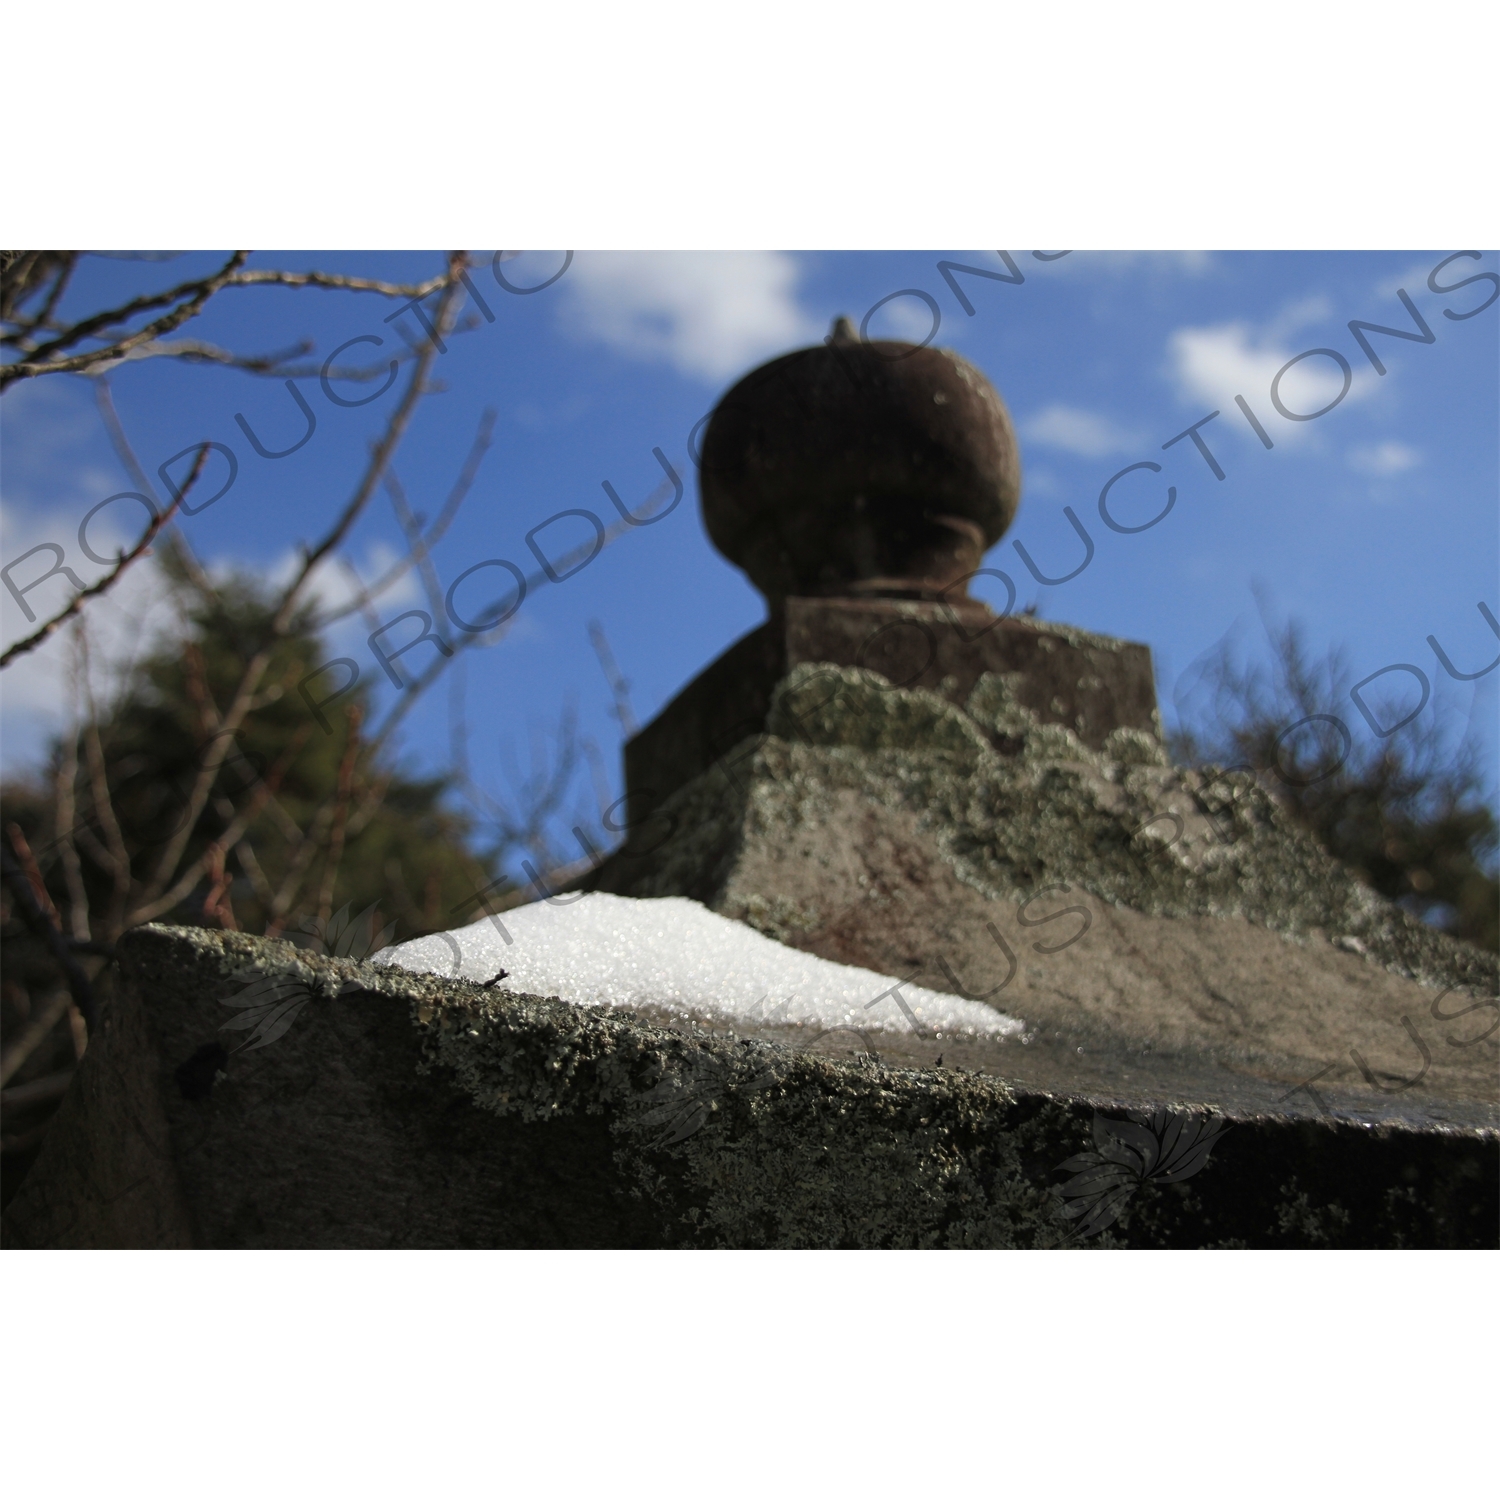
675,954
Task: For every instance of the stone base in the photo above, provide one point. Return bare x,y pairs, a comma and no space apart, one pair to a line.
404,1110
1090,684
1165,934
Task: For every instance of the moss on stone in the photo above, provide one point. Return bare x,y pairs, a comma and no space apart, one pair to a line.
1121,824
690,1138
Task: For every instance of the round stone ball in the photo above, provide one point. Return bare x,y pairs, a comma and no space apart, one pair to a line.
859,467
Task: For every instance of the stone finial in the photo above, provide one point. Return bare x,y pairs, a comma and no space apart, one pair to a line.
860,468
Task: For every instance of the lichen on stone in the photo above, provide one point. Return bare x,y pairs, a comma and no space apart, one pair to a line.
1043,808
821,704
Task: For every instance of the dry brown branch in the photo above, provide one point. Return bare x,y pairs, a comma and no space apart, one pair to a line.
54,1008
79,1030
271,366
103,805
216,904
268,786
104,399
440,663
197,690
540,795
395,884
28,864
195,684
410,290
64,276
244,852
421,548
254,670
226,841
46,929
345,785
199,352
383,451
370,804
604,796
23,273
42,361
416,545
65,802
26,273
46,1090
364,598
619,687
103,586
297,868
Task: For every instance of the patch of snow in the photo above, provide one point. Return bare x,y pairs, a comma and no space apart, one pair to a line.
677,955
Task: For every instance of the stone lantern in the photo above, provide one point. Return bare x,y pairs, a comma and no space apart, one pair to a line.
888,774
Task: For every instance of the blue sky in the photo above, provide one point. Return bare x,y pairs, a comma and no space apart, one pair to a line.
1375,524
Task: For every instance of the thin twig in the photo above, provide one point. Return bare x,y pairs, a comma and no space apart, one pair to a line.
176,541
225,842
36,919
216,904
33,874
456,497
36,1032
21,648
65,798
340,817
55,295
417,545
46,1090
255,669
618,686
41,362
245,853
103,803
328,279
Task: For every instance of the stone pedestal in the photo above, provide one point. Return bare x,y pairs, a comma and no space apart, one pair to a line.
1091,684
407,1111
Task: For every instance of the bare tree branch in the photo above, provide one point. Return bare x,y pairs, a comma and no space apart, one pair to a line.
41,1027
64,811
41,924
410,290
345,785
255,668
103,586
104,399
42,362
456,497
618,686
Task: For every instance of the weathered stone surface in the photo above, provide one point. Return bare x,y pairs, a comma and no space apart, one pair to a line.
859,466
406,1110
1210,949
1090,684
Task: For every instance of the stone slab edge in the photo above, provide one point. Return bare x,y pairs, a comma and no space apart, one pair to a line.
733,1142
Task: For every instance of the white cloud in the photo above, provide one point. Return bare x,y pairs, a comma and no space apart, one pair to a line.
1075,430
906,318
1381,460
1212,365
708,314
1210,362
37,690
1413,281
1171,264
1042,484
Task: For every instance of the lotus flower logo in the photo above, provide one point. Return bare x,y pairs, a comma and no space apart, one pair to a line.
680,1104
270,1003
1159,1147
